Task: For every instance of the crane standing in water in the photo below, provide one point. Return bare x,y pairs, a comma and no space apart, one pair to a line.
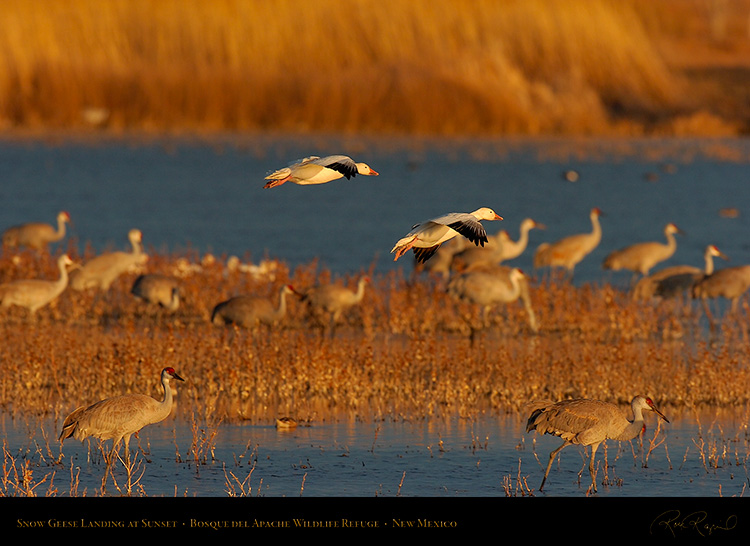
120,417
587,423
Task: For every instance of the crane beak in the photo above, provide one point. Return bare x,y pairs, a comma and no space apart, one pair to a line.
176,376
660,414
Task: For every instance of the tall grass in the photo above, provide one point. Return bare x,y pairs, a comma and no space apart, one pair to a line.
423,66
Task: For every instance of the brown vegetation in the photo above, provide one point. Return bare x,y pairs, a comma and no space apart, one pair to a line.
674,67
405,352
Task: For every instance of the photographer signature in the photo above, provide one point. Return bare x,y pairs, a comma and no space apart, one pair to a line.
674,522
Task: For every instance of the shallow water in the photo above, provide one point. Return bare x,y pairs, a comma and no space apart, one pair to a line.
451,458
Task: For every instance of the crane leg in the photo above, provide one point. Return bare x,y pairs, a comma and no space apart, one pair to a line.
549,464
591,466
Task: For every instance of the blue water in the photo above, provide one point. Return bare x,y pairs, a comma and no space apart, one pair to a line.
208,196
484,456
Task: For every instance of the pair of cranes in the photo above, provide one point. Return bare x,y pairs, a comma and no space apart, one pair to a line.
326,304
100,272
578,422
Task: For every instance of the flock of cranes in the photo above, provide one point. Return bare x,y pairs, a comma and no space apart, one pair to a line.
454,246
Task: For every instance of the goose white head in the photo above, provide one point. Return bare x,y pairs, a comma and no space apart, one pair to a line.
486,213
364,168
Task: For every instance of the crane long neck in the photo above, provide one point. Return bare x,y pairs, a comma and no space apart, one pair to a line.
63,280
596,231
634,427
166,404
281,309
709,263
523,240
60,233
671,242
137,247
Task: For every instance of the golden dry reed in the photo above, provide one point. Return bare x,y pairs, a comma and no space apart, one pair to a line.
423,66
404,353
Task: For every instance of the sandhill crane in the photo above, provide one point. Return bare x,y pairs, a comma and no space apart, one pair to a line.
318,170
730,283
426,237
672,281
641,257
498,249
100,272
587,423
251,311
489,286
161,290
120,417
34,294
568,252
331,301
36,235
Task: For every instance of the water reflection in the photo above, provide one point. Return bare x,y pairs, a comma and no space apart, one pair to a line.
704,454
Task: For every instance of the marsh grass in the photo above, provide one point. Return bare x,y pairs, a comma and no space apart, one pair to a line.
401,354
386,66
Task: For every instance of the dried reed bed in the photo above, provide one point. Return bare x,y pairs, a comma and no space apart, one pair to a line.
405,353
425,66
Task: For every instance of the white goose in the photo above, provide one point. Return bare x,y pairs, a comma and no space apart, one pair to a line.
426,237
318,170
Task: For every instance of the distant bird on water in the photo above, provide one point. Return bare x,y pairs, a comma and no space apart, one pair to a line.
570,251
36,235
319,170
34,294
100,272
120,417
426,237
641,257
161,290
587,423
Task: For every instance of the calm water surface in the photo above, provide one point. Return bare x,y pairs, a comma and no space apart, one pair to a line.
453,458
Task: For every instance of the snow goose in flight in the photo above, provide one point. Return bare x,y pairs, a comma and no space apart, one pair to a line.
318,170
426,237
